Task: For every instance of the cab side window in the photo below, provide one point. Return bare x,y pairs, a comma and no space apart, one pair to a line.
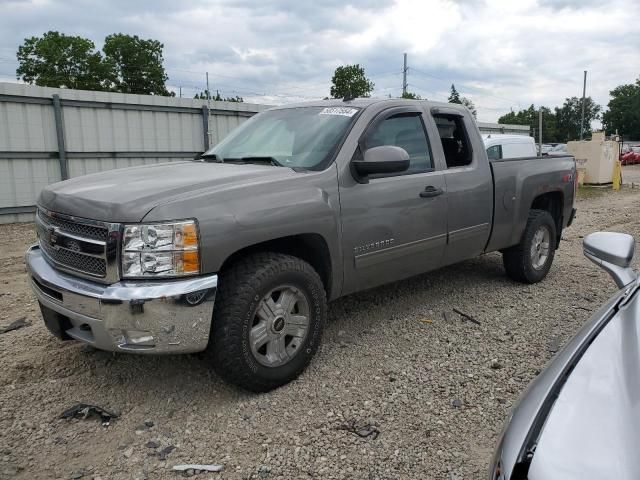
455,141
405,131
495,152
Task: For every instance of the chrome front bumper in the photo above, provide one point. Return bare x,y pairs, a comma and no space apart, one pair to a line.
171,316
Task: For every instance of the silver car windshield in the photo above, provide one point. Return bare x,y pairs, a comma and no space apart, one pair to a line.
305,137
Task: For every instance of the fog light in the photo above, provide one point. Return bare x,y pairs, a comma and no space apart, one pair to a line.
138,337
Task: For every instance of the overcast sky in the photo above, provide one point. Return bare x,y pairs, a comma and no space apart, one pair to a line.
501,54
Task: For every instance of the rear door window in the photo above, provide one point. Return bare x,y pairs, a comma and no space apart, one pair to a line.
455,141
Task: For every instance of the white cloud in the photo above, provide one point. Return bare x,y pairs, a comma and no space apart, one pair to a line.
416,23
500,53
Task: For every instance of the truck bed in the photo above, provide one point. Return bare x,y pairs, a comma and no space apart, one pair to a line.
517,182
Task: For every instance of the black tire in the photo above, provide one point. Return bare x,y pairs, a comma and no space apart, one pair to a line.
518,261
240,291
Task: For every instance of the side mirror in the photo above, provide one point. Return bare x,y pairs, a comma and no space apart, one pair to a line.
613,252
380,160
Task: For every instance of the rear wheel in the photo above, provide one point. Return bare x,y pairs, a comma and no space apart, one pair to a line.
531,259
267,321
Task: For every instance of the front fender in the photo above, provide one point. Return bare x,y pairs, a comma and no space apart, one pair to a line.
236,218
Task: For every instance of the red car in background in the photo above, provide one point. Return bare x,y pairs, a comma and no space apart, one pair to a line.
630,155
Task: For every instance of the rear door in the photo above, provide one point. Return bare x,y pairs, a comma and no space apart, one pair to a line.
394,226
469,185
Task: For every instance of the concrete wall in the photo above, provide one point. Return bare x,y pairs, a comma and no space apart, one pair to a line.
49,134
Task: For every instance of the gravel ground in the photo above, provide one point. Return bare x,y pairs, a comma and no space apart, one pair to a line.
631,174
437,388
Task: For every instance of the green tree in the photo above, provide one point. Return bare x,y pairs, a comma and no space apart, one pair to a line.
411,96
349,81
454,96
217,97
623,112
58,60
568,118
136,64
529,117
469,104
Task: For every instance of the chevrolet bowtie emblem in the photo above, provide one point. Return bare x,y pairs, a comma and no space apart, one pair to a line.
53,236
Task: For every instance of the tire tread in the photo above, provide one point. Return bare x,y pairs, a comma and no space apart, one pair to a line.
237,287
517,259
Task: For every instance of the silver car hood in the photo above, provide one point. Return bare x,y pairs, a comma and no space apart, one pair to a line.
519,442
593,429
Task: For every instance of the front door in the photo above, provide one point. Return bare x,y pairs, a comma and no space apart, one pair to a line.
394,226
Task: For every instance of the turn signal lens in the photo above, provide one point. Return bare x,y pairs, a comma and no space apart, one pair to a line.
186,236
190,262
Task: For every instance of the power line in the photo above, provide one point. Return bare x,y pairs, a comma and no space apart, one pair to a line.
178,83
509,100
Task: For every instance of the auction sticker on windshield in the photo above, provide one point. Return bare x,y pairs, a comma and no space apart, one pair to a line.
343,111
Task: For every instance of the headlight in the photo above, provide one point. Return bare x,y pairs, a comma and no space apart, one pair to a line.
160,250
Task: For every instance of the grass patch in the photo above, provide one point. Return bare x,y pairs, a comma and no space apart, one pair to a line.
586,192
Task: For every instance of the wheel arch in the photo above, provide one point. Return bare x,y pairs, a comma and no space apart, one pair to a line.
310,247
552,202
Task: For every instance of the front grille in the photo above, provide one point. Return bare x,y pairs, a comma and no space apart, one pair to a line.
76,261
80,229
85,247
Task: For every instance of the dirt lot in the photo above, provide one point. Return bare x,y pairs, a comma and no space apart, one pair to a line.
438,391
631,174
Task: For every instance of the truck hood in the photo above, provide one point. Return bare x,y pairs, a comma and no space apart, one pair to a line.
128,194
593,429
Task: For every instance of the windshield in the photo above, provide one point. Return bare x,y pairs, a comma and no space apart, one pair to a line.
303,137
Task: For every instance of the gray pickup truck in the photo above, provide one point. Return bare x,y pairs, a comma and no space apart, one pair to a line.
238,253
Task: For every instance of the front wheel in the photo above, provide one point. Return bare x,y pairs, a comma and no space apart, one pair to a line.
531,259
267,321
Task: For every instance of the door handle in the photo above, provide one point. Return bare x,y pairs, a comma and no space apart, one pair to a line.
431,191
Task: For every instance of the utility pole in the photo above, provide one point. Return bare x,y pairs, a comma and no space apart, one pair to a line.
180,91
584,92
540,131
404,77
209,111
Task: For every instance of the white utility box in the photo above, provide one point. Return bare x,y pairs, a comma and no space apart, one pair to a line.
596,156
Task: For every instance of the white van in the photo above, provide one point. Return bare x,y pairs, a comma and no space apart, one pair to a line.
509,146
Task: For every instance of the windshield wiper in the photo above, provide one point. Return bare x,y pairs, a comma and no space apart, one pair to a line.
257,158
211,157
